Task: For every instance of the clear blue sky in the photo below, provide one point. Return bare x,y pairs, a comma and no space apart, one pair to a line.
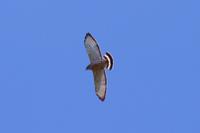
153,88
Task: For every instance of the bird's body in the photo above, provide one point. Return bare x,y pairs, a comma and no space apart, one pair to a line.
97,65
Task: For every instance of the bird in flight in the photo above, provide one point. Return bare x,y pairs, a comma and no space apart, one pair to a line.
97,65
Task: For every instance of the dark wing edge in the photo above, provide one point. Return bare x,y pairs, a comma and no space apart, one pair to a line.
88,34
100,82
97,45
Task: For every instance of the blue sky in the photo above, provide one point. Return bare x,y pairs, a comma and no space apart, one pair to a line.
153,88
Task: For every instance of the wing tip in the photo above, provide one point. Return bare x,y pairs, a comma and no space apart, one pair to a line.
88,34
101,98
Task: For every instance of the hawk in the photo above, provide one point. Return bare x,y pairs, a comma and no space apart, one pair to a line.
97,65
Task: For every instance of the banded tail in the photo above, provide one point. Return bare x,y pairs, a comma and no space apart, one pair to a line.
109,60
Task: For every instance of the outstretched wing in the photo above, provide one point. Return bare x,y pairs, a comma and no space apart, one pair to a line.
100,83
92,48
94,54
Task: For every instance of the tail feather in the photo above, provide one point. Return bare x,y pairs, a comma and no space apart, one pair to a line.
109,60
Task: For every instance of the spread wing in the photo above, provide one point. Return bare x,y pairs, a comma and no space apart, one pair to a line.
92,48
94,54
100,83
